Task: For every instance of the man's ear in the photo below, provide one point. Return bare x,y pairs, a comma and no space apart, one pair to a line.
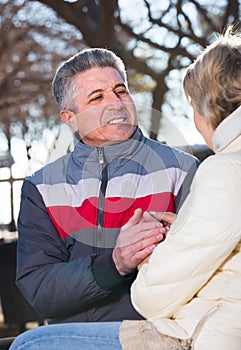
69,118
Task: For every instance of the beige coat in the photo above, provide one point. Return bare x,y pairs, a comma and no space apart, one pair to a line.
191,287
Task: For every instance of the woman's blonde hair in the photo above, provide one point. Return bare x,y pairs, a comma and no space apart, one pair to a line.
213,81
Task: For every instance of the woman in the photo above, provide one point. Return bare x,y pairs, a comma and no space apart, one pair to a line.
190,290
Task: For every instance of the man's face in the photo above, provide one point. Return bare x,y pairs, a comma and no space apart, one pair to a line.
106,113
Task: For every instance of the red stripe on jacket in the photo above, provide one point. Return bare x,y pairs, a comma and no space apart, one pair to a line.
117,211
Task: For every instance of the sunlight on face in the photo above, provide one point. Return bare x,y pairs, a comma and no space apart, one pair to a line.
106,113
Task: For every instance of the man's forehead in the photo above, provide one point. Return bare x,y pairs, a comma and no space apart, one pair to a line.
97,80
98,75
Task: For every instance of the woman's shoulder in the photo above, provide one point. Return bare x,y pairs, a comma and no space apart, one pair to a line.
220,171
224,163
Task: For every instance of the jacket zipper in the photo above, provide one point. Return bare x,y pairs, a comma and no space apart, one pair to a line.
188,344
103,186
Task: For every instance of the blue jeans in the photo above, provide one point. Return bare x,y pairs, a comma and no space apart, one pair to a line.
70,336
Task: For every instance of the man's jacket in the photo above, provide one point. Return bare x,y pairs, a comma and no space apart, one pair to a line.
71,213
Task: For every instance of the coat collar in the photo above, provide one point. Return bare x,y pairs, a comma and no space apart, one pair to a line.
125,149
227,136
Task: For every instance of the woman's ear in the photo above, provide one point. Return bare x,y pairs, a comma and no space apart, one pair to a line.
69,118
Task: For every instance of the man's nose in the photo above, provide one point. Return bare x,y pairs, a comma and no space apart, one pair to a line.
113,100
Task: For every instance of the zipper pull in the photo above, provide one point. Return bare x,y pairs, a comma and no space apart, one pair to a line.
101,155
187,346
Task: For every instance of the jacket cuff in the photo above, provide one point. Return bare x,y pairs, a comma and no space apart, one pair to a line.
106,274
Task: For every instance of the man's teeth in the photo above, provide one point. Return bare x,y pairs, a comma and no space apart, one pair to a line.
114,121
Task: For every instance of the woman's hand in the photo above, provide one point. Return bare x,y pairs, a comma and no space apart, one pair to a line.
166,218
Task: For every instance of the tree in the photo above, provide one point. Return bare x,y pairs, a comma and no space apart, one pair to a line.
156,39
33,42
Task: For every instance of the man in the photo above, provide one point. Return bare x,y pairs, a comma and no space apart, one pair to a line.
71,266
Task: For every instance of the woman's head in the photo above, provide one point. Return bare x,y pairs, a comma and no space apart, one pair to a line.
213,82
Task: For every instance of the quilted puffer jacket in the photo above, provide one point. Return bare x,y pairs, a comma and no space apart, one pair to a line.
191,288
71,213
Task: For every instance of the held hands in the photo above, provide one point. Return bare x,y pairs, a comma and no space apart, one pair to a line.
165,218
137,240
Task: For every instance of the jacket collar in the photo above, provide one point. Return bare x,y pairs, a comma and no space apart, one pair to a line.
227,136
125,149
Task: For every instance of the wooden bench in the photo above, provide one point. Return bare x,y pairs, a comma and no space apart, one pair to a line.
6,342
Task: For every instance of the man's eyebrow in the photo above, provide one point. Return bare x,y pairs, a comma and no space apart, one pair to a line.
120,85
94,92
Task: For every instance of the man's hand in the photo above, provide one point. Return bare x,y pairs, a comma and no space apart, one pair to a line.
136,241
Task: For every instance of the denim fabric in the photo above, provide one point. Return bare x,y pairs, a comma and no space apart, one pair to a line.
71,336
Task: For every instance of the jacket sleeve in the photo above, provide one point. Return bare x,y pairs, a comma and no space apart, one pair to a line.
190,165
204,234
55,285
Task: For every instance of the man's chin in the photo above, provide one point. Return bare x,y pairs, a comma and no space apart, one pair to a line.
121,132
109,135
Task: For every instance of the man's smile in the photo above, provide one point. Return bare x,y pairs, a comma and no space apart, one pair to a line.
116,120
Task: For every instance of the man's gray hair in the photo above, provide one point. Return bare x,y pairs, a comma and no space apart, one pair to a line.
64,87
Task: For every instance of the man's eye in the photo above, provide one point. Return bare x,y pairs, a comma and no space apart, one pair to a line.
96,98
121,92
